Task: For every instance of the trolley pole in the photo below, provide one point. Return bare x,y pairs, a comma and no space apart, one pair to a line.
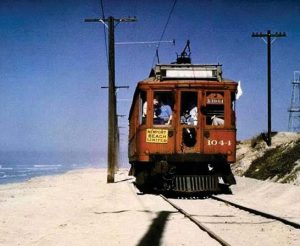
269,41
113,134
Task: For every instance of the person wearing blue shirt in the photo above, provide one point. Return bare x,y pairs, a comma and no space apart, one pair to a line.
165,114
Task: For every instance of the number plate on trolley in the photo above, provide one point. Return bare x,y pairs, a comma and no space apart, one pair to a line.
214,142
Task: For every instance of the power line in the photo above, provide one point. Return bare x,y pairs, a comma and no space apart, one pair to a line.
169,17
164,30
104,31
145,42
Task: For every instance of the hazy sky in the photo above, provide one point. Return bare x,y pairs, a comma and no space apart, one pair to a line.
52,63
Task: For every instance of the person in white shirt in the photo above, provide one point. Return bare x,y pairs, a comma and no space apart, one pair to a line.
194,115
155,103
217,121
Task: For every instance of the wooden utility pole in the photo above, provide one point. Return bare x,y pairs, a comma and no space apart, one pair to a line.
113,135
112,108
269,35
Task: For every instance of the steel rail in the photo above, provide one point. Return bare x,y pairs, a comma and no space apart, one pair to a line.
257,212
201,226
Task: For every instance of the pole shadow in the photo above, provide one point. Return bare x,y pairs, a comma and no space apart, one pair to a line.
154,234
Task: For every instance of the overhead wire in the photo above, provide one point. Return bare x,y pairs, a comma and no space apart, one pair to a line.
104,31
163,32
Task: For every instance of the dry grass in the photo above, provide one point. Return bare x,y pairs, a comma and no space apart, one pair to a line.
276,163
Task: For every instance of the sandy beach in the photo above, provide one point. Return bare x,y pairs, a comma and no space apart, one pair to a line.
80,208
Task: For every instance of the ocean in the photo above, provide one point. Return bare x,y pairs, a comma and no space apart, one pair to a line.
19,166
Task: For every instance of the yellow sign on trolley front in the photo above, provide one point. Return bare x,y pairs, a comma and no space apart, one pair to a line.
157,136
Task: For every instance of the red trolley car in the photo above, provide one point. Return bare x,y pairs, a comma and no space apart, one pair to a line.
182,131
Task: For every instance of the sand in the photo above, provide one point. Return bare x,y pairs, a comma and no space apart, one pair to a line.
247,154
80,208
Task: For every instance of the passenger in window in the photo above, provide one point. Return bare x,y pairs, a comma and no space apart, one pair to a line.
144,113
194,114
156,108
217,121
186,118
164,114
145,107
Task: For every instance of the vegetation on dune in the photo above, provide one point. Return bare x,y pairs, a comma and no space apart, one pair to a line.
261,137
279,163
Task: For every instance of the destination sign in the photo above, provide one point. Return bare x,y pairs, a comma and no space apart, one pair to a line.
157,136
214,98
214,101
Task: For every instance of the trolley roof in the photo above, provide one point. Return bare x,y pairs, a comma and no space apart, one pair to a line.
187,71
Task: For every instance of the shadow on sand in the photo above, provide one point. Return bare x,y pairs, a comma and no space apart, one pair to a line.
154,234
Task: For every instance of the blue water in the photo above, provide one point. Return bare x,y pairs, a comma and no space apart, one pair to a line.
19,166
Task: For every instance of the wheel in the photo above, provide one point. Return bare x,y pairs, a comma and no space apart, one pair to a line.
142,181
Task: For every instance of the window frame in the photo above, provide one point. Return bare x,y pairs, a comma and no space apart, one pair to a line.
222,108
172,100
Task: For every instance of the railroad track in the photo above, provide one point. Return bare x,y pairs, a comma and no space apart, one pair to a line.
198,223
215,235
260,213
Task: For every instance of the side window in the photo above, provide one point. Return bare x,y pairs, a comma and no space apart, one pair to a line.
214,110
143,107
163,104
188,108
233,108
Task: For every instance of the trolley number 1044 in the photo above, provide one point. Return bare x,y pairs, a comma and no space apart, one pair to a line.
213,142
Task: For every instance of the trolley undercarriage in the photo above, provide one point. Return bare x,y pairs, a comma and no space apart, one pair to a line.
188,177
